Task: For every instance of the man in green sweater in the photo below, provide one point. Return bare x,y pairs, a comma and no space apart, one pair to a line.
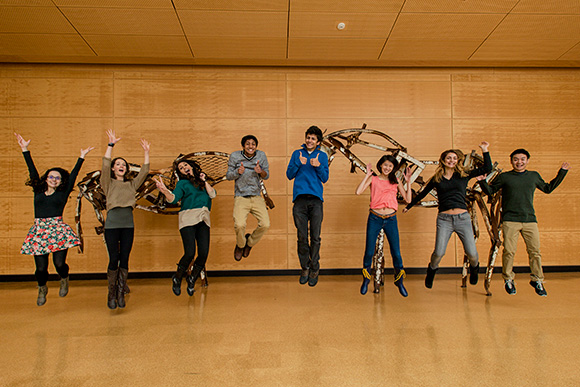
518,215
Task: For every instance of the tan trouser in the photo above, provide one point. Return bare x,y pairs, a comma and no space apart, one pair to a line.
531,237
256,206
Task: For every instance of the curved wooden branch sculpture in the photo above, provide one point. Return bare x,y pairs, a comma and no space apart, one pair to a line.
342,141
213,164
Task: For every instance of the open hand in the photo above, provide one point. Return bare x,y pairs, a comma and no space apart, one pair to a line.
22,142
85,151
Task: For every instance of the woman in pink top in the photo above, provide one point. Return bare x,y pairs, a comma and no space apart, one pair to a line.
383,215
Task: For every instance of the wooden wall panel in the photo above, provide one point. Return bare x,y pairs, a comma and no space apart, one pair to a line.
185,109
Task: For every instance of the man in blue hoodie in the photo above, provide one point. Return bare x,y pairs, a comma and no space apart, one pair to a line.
309,169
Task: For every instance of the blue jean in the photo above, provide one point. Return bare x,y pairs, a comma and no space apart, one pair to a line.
307,211
461,225
374,226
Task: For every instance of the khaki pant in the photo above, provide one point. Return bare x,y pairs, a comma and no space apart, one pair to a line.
256,206
531,237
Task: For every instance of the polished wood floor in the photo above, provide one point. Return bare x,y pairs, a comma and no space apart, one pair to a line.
271,331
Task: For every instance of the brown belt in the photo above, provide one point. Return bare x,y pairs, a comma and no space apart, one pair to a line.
381,215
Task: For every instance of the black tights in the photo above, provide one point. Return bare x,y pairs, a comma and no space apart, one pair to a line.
119,243
189,236
41,261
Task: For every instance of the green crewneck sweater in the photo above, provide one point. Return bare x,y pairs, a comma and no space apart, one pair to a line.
518,193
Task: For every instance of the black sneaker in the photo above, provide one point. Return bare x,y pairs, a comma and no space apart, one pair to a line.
539,288
510,287
304,276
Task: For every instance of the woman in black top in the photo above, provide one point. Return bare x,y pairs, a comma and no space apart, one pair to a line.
49,234
450,181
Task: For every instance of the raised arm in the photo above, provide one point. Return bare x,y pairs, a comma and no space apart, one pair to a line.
555,182
406,193
145,167
208,188
487,164
366,181
32,172
164,190
112,141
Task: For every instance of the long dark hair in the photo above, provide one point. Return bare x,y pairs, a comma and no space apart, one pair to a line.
39,185
392,175
195,179
126,175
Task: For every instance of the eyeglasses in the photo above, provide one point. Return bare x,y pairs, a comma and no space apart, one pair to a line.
57,178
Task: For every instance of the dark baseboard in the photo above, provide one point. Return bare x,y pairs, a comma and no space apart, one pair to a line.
264,273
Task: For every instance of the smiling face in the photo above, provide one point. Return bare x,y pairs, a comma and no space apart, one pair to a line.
519,162
53,179
185,168
386,168
250,147
450,160
119,169
311,142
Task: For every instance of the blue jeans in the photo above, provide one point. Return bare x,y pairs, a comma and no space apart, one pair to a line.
308,210
389,225
461,225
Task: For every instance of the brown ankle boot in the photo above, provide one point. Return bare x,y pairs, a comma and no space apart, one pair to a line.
42,291
112,296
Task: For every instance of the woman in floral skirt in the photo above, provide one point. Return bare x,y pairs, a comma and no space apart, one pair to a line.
49,234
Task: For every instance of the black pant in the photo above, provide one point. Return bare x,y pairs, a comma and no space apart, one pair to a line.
191,235
119,243
41,261
307,211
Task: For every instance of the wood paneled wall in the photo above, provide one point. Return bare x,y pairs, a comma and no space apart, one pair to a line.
183,109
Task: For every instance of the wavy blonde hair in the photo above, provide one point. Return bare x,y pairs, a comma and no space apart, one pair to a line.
459,168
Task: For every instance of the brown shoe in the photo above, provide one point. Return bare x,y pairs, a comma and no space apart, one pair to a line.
238,253
247,248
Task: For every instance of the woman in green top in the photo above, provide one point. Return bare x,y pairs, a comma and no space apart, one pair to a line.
195,194
119,228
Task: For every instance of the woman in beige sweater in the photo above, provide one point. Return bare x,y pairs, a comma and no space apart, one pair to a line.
119,229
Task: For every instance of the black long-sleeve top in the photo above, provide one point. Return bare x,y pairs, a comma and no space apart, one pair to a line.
50,206
451,192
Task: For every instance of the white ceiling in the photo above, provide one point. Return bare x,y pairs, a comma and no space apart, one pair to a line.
511,33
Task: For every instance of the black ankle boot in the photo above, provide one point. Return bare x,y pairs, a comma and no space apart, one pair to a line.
399,282
176,280
192,278
430,277
473,274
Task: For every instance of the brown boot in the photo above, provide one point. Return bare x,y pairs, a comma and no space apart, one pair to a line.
63,291
42,291
112,296
121,281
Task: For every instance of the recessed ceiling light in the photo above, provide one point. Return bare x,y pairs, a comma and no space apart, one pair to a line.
341,26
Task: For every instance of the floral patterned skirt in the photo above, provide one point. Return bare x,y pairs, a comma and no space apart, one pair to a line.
48,235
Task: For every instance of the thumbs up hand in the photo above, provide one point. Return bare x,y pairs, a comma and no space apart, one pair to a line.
314,162
302,159
241,169
257,168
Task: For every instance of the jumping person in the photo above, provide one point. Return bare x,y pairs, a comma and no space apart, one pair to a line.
518,215
50,234
195,194
246,167
119,227
450,181
308,167
383,216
